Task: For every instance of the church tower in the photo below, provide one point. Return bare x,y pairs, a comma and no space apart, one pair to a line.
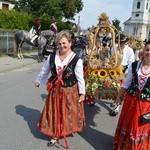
138,25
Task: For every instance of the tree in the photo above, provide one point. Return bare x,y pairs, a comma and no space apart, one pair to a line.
53,8
116,23
70,7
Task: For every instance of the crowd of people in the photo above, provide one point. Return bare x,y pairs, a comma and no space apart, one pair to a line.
63,112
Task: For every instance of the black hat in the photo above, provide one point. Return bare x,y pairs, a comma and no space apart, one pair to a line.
123,38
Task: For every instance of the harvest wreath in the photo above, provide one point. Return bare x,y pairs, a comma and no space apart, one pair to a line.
104,74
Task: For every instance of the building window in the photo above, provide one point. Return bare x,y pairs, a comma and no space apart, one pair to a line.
137,15
138,5
147,6
5,6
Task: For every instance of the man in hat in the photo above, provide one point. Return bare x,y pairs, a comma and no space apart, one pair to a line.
127,58
36,29
127,52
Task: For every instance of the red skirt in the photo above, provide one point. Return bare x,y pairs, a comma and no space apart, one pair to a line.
130,134
62,114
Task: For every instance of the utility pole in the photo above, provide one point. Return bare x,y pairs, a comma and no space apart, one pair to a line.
78,25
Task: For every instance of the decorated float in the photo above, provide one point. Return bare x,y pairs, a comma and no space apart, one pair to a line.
104,73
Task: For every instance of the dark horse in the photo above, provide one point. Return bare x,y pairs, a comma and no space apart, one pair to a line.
45,40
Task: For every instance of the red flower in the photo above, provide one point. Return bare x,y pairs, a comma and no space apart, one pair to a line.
107,83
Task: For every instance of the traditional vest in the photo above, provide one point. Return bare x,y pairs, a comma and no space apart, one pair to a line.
134,90
68,76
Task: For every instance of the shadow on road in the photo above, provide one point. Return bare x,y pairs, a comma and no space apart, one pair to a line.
44,96
106,104
98,140
34,57
31,116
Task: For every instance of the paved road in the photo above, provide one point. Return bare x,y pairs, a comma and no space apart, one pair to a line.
21,105
9,63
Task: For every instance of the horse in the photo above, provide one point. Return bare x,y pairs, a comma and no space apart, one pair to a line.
45,40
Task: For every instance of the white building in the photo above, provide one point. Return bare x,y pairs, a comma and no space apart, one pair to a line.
6,5
138,25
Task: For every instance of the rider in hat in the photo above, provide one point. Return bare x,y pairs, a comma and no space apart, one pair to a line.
53,26
37,29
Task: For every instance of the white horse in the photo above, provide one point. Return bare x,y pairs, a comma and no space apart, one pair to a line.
45,39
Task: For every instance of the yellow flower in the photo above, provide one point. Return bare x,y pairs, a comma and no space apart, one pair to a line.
119,70
113,73
94,73
102,73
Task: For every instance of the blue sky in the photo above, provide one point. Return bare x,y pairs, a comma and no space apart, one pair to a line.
120,9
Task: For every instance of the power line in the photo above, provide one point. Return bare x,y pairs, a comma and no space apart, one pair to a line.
99,8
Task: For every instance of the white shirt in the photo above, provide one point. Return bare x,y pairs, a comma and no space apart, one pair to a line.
128,56
128,80
44,74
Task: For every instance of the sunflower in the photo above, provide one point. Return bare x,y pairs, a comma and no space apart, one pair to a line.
119,70
94,73
113,73
102,73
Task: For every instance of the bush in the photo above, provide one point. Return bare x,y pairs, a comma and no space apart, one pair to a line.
15,20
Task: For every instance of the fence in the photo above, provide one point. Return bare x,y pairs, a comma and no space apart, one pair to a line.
7,43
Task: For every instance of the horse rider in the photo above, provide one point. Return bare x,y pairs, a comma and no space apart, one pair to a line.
53,26
36,29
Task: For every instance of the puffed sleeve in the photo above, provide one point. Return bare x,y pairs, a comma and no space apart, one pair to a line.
42,76
80,76
128,79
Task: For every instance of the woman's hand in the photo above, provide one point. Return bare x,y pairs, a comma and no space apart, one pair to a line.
81,98
36,84
118,101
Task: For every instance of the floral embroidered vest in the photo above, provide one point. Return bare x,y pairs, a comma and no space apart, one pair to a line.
68,77
134,90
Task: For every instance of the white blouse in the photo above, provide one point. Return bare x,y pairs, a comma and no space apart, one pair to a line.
44,74
141,78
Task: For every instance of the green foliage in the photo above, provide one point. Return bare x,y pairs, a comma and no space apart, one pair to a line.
62,26
55,8
116,23
71,7
14,20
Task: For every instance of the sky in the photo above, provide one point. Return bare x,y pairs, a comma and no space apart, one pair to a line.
119,9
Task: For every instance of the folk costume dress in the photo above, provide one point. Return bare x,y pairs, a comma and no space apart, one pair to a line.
130,133
62,114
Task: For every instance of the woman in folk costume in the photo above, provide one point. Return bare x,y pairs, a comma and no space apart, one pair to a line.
132,132
63,112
